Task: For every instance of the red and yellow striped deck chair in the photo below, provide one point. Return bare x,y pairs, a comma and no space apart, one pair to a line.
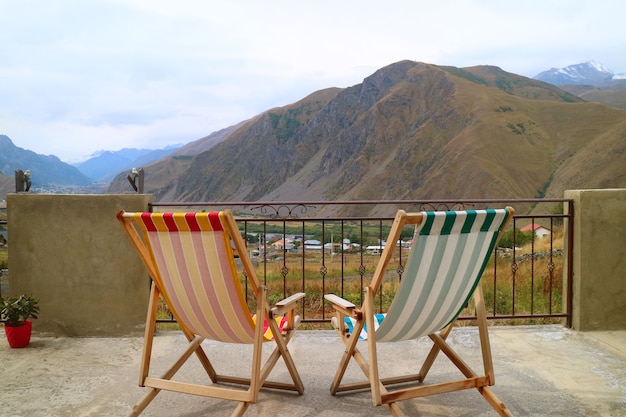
192,264
449,253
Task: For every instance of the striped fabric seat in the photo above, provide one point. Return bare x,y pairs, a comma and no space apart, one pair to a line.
191,260
449,254
202,292
444,265
442,272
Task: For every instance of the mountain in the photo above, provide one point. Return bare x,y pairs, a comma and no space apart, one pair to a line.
45,169
612,94
205,143
590,81
589,73
160,174
409,131
105,165
7,185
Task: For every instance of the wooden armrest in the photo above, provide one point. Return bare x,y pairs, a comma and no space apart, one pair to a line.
343,306
335,299
285,305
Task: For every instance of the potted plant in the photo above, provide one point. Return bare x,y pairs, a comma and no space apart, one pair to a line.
16,312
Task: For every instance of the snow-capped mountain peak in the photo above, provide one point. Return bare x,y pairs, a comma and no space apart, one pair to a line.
590,72
598,66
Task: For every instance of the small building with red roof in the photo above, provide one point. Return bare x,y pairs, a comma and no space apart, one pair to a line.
540,231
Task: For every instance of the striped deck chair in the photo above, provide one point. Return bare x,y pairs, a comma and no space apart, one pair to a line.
192,264
449,253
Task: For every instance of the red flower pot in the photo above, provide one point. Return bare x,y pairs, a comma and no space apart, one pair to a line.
18,336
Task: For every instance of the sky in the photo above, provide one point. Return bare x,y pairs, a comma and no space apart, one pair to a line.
78,77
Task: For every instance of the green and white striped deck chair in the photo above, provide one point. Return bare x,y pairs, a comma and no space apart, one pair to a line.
192,264
445,263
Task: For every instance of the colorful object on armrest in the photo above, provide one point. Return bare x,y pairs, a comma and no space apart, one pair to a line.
281,321
350,322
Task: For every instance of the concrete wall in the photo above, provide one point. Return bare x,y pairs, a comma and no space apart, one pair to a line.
71,253
599,259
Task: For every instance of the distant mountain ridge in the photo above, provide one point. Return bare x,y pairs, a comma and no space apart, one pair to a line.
590,81
50,174
44,169
410,130
586,73
105,165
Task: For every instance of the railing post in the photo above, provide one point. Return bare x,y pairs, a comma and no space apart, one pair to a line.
570,263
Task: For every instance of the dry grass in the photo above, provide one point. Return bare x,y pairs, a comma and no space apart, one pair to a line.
543,244
526,286
4,257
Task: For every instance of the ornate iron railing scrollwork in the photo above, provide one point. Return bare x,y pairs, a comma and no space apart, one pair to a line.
283,211
447,206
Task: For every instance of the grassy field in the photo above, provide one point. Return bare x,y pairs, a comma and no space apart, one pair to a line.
527,286
4,258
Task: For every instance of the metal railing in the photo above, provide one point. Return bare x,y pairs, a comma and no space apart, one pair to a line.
320,247
4,273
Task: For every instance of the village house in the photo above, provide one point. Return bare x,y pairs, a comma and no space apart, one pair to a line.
312,244
539,230
283,244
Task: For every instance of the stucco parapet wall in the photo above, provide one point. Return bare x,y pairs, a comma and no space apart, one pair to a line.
71,253
599,259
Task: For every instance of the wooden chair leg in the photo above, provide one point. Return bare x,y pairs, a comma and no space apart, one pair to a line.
434,351
240,409
395,410
483,332
144,402
495,402
153,303
350,343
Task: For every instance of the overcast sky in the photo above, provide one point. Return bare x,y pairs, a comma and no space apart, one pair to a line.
78,76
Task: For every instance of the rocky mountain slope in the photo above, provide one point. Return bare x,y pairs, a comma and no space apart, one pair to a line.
612,94
408,131
45,169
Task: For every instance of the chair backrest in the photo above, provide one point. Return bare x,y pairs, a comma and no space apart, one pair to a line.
196,272
449,253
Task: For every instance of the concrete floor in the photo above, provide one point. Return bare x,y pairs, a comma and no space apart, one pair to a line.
540,371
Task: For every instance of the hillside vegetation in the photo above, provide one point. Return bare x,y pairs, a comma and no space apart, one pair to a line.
612,94
409,131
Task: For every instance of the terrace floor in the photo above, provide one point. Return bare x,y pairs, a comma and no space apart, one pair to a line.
540,371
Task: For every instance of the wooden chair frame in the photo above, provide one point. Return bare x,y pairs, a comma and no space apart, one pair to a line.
259,374
368,364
